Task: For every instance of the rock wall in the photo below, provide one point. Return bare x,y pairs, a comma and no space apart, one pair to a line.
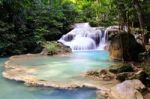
123,46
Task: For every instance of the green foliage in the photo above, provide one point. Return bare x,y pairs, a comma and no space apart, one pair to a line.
25,24
31,22
51,47
93,73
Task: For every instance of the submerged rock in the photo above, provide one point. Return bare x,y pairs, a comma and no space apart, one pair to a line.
123,46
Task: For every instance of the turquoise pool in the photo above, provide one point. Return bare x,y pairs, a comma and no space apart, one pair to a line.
59,68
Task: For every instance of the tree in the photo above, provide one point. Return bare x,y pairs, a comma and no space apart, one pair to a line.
140,16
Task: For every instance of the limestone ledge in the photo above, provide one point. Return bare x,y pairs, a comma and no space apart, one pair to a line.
25,74
31,80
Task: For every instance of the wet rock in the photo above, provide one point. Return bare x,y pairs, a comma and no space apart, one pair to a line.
100,75
92,73
123,46
68,37
105,75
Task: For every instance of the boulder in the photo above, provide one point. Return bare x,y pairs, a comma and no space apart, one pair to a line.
55,48
126,90
119,68
123,46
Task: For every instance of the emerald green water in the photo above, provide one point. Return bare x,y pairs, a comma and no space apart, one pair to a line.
59,68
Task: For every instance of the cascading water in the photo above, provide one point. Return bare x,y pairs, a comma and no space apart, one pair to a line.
84,37
106,31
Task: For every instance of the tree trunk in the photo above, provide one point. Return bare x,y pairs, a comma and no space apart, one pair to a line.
122,15
139,12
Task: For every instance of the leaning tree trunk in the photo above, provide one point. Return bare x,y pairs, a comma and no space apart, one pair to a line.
139,12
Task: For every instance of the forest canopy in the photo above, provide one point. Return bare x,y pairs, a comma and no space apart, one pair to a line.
26,24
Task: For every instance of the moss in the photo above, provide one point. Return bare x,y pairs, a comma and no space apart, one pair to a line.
146,68
93,73
125,68
52,48
119,68
113,68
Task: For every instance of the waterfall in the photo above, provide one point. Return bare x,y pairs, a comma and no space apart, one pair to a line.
85,37
104,40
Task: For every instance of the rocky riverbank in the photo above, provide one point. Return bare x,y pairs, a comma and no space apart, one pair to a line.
103,80
126,74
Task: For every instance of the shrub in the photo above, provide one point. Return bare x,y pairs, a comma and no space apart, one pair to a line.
51,48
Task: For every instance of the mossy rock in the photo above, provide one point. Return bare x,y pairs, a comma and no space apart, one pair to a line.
100,75
92,73
141,75
114,68
125,72
125,68
54,48
119,68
